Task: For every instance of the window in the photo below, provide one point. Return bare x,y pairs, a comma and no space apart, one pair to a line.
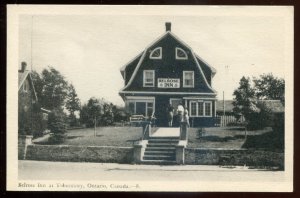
193,109
188,79
143,107
131,107
140,108
149,110
207,107
156,53
148,78
180,54
200,109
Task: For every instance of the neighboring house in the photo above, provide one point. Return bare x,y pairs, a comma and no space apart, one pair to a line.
275,106
29,112
224,107
169,72
226,115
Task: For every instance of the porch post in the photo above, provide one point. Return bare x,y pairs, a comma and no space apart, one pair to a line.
146,130
183,131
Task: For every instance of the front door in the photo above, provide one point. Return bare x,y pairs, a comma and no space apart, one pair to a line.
174,102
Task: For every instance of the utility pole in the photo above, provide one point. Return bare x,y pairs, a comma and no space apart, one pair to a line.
223,104
31,35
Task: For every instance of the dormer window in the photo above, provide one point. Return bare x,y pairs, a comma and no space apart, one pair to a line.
156,53
180,54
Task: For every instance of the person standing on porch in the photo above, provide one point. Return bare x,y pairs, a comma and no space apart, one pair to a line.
170,111
186,117
180,111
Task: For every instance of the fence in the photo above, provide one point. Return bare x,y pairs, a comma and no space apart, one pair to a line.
224,120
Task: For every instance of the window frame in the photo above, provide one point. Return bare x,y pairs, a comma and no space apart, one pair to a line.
177,49
144,78
193,102
146,101
154,50
204,109
197,108
183,79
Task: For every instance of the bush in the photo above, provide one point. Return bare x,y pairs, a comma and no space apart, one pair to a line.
39,125
261,119
57,126
31,122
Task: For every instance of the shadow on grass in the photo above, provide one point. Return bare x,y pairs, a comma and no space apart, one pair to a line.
73,137
269,140
214,138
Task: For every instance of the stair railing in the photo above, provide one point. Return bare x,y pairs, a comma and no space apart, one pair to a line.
145,128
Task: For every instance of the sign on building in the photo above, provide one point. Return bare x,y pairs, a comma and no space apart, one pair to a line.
168,83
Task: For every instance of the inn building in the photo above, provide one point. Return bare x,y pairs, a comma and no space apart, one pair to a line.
169,72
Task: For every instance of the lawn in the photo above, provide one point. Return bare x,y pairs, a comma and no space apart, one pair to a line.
221,137
106,136
216,137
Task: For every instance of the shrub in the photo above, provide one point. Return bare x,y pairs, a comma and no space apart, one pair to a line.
57,126
261,119
39,124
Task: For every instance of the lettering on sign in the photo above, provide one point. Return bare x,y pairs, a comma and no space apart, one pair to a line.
168,83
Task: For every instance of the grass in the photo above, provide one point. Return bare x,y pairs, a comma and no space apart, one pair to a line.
225,137
106,136
216,137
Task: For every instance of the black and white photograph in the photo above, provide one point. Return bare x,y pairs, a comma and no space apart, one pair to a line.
150,98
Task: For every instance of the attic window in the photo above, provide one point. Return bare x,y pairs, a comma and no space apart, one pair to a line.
180,54
156,53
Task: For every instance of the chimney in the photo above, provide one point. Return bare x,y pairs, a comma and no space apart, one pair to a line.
168,26
23,67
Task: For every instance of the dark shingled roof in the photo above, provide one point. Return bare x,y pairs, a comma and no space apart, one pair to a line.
276,106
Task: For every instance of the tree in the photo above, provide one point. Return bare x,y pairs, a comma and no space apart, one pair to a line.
51,88
90,113
247,103
72,104
269,87
108,115
57,126
244,101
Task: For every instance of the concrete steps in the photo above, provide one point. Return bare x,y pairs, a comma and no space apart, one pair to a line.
160,150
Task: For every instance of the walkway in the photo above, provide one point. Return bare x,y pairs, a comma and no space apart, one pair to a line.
166,132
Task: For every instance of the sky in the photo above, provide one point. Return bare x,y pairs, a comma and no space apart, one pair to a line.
89,49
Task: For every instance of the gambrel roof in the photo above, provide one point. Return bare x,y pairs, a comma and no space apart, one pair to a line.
135,63
200,61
